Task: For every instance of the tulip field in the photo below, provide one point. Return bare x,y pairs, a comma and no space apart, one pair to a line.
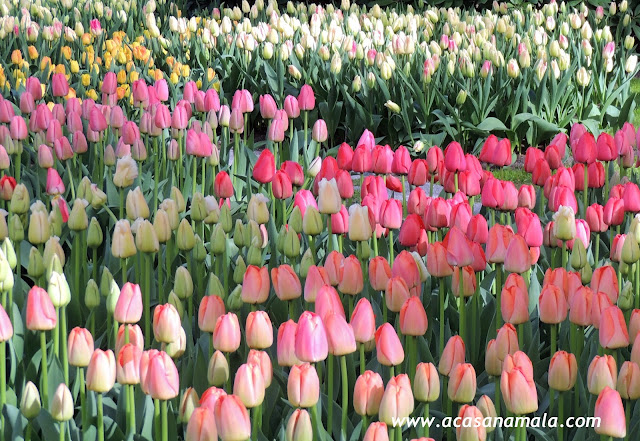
297,222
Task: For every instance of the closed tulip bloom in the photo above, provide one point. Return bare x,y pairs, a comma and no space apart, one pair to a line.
614,211
80,347
282,187
101,373
426,386
62,404
328,301
595,218
438,213
499,239
462,383
319,131
605,280
135,337
201,426
41,315
519,391
158,375
59,85
599,303
263,361
634,324
166,323
492,364
397,400
249,385
255,285
391,214
333,265
514,301
413,317
311,339
299,427
126,172
458,249
128,364
410,230
506,342
54,182
553,307
351,279
454,160
468,281
437,264
602,373
585,150
379,273
363,321
265,167
527,196
211,307
367,393
317,277
232,419
226,335
517,258
360,228
611,414
376,431
286,283
291,106
389,350
396,294
222,186
306,98
286,344
563,371
340,336
472,432
303,386
329,200
477,229
340,221
613,329
529,227
259,331
129,305
452,355
628,384
493,195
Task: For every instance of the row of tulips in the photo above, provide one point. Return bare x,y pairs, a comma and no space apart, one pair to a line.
466,71
186,216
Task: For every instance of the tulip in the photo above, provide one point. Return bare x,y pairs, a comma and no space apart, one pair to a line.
311,340
473,431
397,400
613,329
232,419
255,285
462,383
602,373
610,411
226,335
80,346
129,305
376,431
514,301
259,331
201,426
452,355
62,404
563,371
518,391
303,387
388,347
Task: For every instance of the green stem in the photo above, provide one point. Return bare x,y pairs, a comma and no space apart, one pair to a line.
425,428
564,254
156,175
132,408
330,394
45,375
156,418
62,424
82,392
3,377
100,422
462,306
404,198
390,247
56,334
345,395
27,432
498,398
398,432
254,423
165,421
560,416
292,310
441,296
315,421
362,359
63,338
413,344
147,299
585,197
498,296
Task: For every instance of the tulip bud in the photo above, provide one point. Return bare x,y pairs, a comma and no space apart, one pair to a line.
35,268
185,237
218,370
183,283
16,230
312,222
578,255
92,295
62,404
188,403
30,402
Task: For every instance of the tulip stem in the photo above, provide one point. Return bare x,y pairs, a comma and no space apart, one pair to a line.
412,343
132,408
27,432
462,306
100,422
3,378
637,287
156,417
560,415
441,295
255,412
62,423
330,394
63,338
362,359
404,198
425,427
564,254
229,389
165,423
497,396
345,395
156,174
147,298
498,295
390,247
194,159
56,333
83,410
316,421
292,310
45,375
398,432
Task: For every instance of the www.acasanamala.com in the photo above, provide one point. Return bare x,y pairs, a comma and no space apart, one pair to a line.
543,421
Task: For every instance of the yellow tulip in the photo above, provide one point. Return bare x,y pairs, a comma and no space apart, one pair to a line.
16,57
33,52
86,79
74,67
